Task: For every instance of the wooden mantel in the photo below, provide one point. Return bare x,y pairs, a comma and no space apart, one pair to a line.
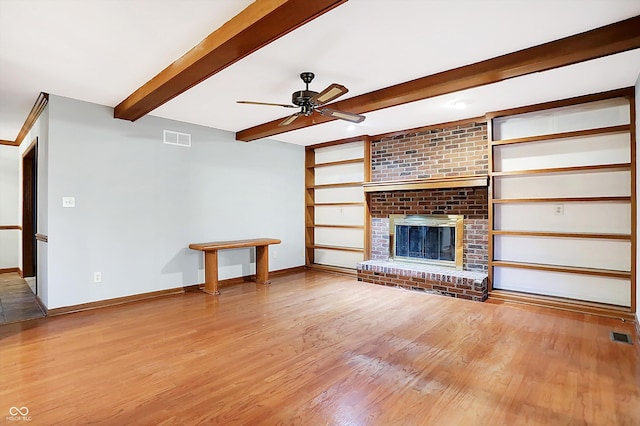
430,183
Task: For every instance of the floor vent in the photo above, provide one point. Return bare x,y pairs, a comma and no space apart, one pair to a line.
177,138
621,337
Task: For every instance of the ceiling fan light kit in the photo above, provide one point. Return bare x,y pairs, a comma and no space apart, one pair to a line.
309,101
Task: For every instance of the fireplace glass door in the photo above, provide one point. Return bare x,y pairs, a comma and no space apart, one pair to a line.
432,239
426,242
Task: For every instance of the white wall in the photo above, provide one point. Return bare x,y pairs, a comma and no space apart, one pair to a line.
9,182
139,203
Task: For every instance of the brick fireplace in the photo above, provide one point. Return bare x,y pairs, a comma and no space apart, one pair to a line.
472,203
438,155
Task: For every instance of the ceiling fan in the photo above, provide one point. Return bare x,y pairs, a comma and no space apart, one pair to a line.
310,101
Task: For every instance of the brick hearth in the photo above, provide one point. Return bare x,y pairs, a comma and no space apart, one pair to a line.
444,281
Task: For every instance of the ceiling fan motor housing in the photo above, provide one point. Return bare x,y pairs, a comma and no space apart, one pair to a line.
302,97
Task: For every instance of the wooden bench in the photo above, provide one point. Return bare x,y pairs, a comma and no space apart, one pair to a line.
211,259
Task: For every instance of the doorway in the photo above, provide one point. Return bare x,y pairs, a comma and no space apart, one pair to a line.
29,212
18,300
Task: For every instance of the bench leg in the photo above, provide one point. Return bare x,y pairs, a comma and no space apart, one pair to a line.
262,264
211,272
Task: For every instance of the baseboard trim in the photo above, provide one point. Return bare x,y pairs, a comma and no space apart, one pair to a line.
286,271
156,294
335,269
196,288
42,306
245,279
116,301
10,270
569,305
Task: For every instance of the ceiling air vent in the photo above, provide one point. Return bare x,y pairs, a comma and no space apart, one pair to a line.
177,138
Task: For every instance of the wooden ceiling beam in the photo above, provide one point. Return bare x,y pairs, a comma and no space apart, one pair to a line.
41,102
262,22
608,40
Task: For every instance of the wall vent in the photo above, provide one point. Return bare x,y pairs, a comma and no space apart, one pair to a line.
177,138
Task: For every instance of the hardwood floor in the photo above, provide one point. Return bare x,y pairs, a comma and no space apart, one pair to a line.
314,349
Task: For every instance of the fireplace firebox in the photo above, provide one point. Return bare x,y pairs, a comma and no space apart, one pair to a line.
428,239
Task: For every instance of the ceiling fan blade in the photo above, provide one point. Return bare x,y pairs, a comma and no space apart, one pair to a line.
327,95
342,115
290,119
266,103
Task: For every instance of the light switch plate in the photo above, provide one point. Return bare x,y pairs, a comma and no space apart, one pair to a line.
68,201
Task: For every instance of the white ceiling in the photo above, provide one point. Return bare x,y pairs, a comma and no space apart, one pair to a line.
102,50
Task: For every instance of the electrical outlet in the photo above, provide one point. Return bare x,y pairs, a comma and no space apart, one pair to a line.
558,209
97,277
68,202
275,254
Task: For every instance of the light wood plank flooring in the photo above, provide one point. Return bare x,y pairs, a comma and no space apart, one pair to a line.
319,349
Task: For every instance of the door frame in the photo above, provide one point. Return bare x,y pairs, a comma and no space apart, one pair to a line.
29,209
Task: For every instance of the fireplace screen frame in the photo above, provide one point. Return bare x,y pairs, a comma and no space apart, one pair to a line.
448,221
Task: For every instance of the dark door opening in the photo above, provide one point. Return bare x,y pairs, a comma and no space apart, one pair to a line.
29,197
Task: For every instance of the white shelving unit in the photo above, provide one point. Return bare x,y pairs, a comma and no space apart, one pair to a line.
335,204
562,204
